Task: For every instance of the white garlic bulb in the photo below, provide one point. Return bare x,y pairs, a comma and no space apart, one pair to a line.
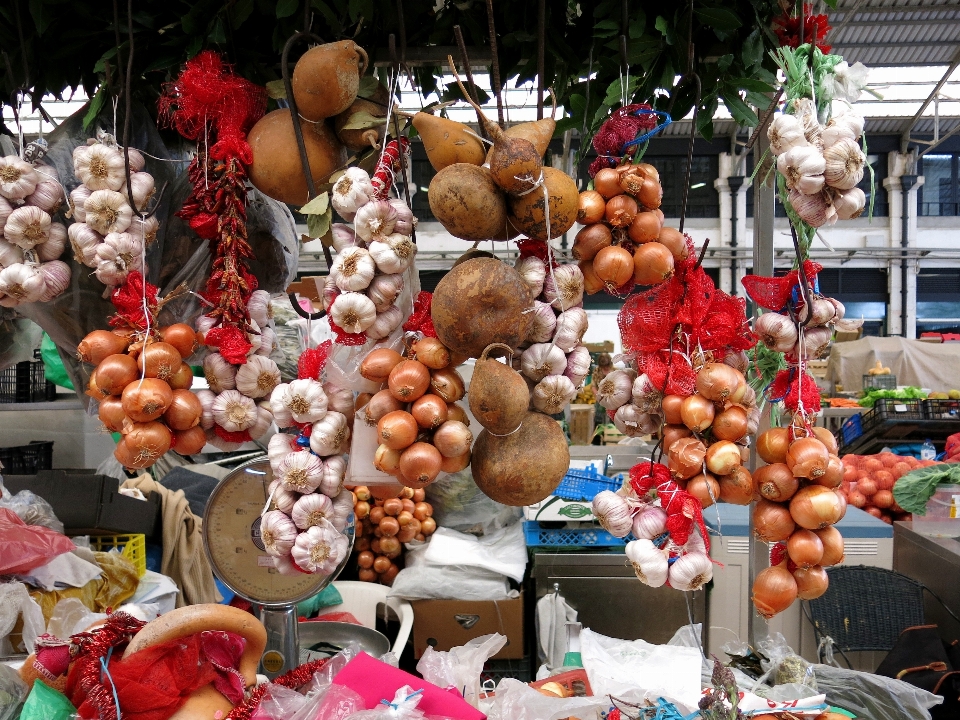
616,389
145,230
220,374
311,510
53,248
375,220
633,423
384,290
844,162
544,323
649,523
268,342
351,192
339,399
27,226
564,288
304,399
262,425
300,472
100,168
254,338
613,513
319,549
649,562
812,209
342,236
259,308
234,411
277,533
142,188
646,396
5,209
553,393
117,256
106,211
48,195
281,413
342,509
406,222
353,269
578,365
257,377
533,271
385,323
283,499
56,278
571,325
542,359
137,161
393,253
17,178
10,254
691,571
785,133
849,204
334,473
78,201
805,111
329,435
22,282
354,312
206,399
802,169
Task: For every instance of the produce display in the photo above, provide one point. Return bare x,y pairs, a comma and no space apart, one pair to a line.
869,480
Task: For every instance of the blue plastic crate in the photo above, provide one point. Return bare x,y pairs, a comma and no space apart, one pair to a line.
584,484
588,536
851,429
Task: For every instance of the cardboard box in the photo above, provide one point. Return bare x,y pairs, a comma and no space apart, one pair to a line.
90,504
581,424
444,624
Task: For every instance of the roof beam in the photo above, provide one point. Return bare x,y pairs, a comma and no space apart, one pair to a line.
889,10
897,44
908,126
889,23
847,18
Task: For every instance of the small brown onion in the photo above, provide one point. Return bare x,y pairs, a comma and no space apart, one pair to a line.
590,240
590,207
182,379
453,439
376,366
717,381
397,430
455,412
811,582
731,424
607,183
644,228
832,546
189,442
737,488
775,482
697,413
807,458
815,507
704,488
386,460
675,242
672,433
805,548
455,464
182,337
652,264
722,457
651,194
631,178
146,400
380,404
184,411
686,457
827,438
111,413
772,445
833,477
420,464
159,360
430,411
114,373
100,344
448,384
408,380
431,352
592,284
614,266
772,521
671,409
147,440
621,210
774,591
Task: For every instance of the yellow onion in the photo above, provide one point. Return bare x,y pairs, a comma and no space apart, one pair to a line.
772,521
607,183
614,266
159,360
686,457
448,384
431,352
827,438
99,344
590,207
697,413
620,211
397,430
717,381
774,591
592,284
184,411
182,379
453,439
376,366
408,380
430,411
190,441
815,507
419,465
833,477
832,546
671,409
805,548
387,460
652,264
672,433
146,400
731,424
812,582
704,488
722,457
590,240
111,413
455,464
380,404
147,441
114,373
775,482
807,457
737,487
772,445
182,337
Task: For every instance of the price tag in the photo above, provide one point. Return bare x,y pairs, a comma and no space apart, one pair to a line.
900,408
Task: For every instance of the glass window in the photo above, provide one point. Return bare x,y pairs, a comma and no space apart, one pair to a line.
703,200
938,194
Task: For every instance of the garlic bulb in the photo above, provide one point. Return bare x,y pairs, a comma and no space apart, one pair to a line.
145,230
56,278
117,256
812,209
785,133
283,500
571,325
646,396
220,374
649,562
100,167
394,253
268,342
106,211
615,390
776,331
375,220
353,312
406,222
329,436
823,312
564,289
78,200
351,192
300,472
334,472
137,161
257,377
142,188
342,236
843,164
353,269
384,290
204,323
613,513
342,509
805,111
10,254
279,446
815,344
836,130
649,523
542,359
206,399
304,400
578,365
53,248
311,510
234,411
17,178
259,308
632,422
849,204
533,271
553,393
262,425
48,195
544,323
338,399
385,323
22,282
254,338
5,209
277,533
691,571
802,169
320,549
281,413
27,226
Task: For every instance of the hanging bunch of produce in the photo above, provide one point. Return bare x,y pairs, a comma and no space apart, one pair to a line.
31,238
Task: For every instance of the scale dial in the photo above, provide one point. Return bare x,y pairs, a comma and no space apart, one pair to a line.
231,536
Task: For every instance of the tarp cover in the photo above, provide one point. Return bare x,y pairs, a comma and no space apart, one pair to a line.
935,366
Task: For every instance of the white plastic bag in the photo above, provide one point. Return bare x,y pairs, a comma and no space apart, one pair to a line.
515,700
874,696
422,580
503,551
460,668
14,602
403,707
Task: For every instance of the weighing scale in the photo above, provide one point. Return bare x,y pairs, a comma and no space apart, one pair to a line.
231,537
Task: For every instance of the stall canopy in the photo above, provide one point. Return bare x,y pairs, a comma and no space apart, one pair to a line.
921,364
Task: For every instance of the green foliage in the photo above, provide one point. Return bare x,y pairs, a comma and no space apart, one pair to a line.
871,396
914,490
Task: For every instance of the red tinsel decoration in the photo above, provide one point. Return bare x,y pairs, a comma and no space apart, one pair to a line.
420,319
388,166
621,127
296,678
792,31
313,360
128,299
684,512
231,342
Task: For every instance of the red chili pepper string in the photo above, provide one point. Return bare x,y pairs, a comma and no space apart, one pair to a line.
388,166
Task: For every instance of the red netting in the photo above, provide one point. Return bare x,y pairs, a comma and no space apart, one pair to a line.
128,299
239,436
674,377
535,248
621,127
345,338
388,166
231,342
420,319
793,387
684,511
208,91
774,293
778,553
313,360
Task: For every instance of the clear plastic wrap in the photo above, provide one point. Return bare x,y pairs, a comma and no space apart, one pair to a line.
30,508
874,696
13,690
460,668
339,703
18,338
422,580
515,700
16,602
459,504
783,666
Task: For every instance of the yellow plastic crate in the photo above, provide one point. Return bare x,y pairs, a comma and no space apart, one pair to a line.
132,547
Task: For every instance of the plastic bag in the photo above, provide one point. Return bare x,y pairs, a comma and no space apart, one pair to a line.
337,704
12,692
515,700
874,696
24,547
30,508
460,668
45,703
18,338
460,505
423,580
278,703
783,666
403,707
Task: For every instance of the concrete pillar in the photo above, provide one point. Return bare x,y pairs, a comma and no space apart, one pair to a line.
732,271
898,165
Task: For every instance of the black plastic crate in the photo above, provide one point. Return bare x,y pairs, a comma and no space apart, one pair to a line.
891,409
25,382
27,459
940,409
497,670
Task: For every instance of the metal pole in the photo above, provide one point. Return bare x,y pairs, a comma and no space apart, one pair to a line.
906,184
734,182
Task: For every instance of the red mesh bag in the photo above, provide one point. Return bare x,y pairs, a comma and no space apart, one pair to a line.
239,436
131,300
345,338
621,127
420,319
231,342
313,360
773,293
647,320
674,377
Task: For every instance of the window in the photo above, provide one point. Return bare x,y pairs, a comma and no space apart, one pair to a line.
938,300
423,173
938,194
703,200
